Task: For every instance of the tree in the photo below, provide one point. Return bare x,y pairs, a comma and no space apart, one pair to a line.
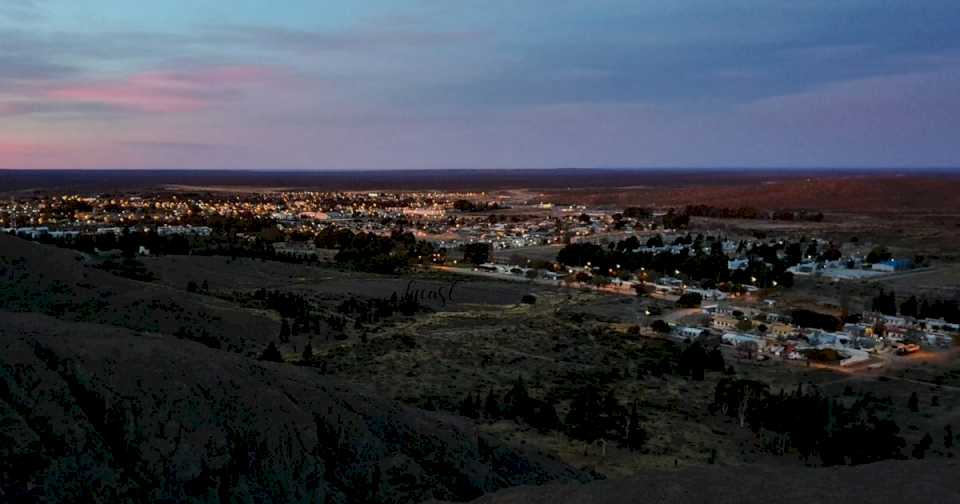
920,449
491,407
690,300
476,253
715,360
885,303
660,326
693,360
913,404
583,419
517,401
543,417
192,287
469,406
879,254
284,331
308,352
744,325
910,307
205,287
636,435
271,354
948,437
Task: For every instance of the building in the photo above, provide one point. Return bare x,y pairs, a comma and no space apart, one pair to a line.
183,230
781,330
724,322
893,265
736,264
734,339
689,332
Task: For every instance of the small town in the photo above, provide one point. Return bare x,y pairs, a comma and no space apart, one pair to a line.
688,285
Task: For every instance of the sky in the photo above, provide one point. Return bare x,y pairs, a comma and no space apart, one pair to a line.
425,84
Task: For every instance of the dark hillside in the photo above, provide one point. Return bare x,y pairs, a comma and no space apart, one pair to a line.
874,483
65,284
101,414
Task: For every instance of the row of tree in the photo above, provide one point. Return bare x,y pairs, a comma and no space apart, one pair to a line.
594,415
812,425
751,213
886,302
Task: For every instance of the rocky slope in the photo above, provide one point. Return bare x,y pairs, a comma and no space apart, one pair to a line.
101,414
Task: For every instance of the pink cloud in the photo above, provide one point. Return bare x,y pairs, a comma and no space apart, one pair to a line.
157,92
14,149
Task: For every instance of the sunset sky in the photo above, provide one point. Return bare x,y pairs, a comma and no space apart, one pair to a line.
361,84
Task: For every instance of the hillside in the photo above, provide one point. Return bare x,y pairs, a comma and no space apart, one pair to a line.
67,285
880,482
96,413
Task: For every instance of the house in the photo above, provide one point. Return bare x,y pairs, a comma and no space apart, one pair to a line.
712,294
724,322
734,339
183,230
689,332
781,330
941,325
893,265
804,268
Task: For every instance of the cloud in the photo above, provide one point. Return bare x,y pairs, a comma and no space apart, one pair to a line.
20,10
23,67
59,110
167,146
366,39
165,91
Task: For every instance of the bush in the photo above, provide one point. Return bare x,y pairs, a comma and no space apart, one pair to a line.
690,300
660,326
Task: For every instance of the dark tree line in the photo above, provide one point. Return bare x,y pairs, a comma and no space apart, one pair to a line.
514,404
815,320
812,425
885,302
375,253
595,414
751,213
463,205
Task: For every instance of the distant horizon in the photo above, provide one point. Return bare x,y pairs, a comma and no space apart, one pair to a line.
677,169
428,179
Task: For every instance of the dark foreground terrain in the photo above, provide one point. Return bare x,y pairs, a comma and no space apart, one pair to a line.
114,389
102,405
875,483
